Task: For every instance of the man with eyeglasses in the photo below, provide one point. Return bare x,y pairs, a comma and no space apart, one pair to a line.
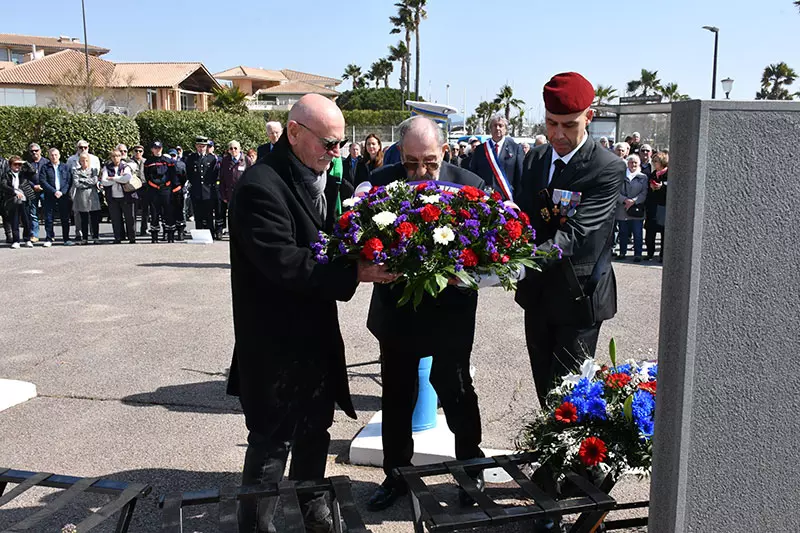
94,162
31,170
288,365
138,160
405,334
233,165
645,155
202,174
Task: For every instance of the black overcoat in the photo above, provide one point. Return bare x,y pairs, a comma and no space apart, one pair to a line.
288,343
443,323
597,174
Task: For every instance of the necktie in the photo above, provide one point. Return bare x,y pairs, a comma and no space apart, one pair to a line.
58,181
560,165
497,149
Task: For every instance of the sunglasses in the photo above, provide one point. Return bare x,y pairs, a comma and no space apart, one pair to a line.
328,144
412,166
35,151
138,151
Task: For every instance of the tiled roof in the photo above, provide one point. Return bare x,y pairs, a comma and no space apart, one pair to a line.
251,73
53,67
47,43
294,75
156,74
298,87
49,69
7,64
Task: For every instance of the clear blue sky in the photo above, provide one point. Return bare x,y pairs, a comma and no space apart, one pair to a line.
470,44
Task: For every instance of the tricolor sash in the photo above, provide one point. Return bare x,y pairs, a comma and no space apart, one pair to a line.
497,170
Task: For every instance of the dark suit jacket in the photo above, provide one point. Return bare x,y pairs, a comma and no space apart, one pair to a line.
288,342
348,172
511,159
443,323
47,179
584,237
263,150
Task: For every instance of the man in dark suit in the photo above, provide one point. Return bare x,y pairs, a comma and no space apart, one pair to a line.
506,153
566,303
288,365
405,335
274,131
55,178
350,164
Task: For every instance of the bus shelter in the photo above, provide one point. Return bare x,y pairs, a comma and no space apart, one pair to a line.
616,122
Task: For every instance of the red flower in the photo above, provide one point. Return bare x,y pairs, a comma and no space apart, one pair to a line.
524,218
430,213
496,196
514,229
469,258
406,229
373,189
463,213
505,259
495,257
472,193
371,247
618,380
567,413
422,186
344,220
650,387
592,451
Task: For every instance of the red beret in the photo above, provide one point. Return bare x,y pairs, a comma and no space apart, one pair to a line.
568,93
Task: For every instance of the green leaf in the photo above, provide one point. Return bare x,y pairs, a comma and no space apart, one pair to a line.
627,408
441,281
419,292
430,287
612,352
408,291
466,279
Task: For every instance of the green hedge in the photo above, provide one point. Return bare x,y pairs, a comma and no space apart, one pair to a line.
179,128
104,133
53,127
357,118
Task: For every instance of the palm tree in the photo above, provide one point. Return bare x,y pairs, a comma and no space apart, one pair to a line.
505,100
353,72
369,77
604,94
472,124
380,70
797,3
400,53
773,80
648,82
404,22
417,7
230,100
671,93
484,112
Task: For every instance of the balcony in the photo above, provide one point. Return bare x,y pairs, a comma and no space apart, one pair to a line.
274,104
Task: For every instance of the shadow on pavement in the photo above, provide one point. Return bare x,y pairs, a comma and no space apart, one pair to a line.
225,266
190,397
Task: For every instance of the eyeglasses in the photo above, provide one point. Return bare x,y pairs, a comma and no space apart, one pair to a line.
412,166
35,150
646,151
83,147
138,151
123,151
329,144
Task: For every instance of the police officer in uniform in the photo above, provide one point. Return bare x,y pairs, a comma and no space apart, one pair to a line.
203,175
177,194
159,171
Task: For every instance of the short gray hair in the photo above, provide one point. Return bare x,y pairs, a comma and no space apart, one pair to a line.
274,124
121,147
633,157
622,144
34,145
540,139
234,144
646,146
416,122
497,117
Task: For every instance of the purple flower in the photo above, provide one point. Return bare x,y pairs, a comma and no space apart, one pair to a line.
464,240
559,250
342,248
405,205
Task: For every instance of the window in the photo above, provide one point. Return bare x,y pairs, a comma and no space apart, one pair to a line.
188,102
152,99
17,56
267,99
18,97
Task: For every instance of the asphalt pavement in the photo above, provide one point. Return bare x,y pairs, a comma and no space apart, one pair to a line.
128,346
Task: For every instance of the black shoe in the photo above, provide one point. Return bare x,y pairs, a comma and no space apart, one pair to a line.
386,494
464,499
637,259
317,516
648,258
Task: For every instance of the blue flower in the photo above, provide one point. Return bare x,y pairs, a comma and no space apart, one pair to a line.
643,409
653,371
587,397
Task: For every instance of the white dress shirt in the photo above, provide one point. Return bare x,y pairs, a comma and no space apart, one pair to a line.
566,159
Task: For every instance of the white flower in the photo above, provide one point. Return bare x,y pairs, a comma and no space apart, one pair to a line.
393,186
588,370
443,235
430,199
350,202
384,218
644,370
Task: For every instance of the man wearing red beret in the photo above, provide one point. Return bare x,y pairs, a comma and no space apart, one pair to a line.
570,189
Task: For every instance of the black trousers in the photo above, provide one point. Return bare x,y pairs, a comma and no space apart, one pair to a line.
161,210
94,218
653,228
221,216
177,208
556,350
204,214
121,209
64,207
301,428
453,384
17,215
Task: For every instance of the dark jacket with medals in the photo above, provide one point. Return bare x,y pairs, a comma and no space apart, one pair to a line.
443,323
585,237
202,172
288,342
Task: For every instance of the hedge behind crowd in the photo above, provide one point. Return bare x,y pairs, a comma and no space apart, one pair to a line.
52,127
179,128
355,117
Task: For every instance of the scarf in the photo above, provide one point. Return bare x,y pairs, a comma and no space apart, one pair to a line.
630,175
660,173
314,185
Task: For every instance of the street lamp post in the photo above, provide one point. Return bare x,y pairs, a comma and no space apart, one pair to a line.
715,31
447,97
727,86
86,53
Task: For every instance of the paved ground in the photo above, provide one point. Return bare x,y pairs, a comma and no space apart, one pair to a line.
128,344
